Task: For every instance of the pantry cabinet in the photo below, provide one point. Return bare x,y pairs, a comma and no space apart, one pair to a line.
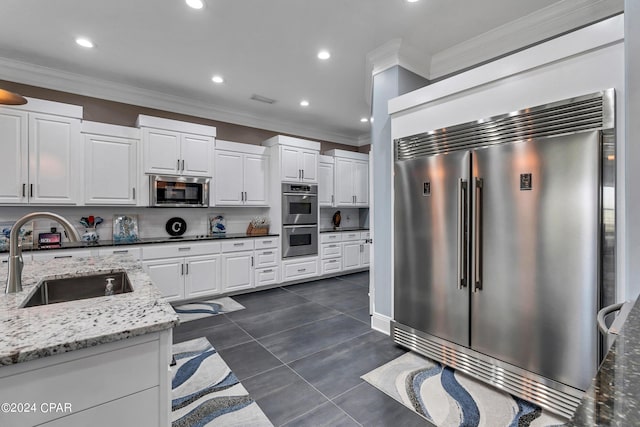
110,164
172,147
241,175
41,153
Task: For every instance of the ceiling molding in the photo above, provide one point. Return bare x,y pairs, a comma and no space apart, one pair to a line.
543,24
49,78
392,53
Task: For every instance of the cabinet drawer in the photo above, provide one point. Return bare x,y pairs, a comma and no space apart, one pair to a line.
331,250
133,251
355,235
266,258
46,255
330,237
268,242
237,245
331,265
365,235
180,250
299,269
266,276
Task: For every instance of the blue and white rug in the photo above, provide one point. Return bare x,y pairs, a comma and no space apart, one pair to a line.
450,399
198,309
205,392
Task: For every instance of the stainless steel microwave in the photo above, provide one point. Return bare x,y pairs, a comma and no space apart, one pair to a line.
178,191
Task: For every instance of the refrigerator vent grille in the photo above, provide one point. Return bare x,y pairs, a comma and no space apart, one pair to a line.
577,114
528,389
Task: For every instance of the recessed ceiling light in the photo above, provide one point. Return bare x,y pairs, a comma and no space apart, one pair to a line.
195,4
324,54
364,120
217,79
84,42
304,103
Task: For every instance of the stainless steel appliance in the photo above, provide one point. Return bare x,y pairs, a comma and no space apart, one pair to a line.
299,204
299,240
179,191
499,245
299,220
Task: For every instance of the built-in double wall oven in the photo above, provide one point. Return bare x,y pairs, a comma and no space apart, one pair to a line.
299,220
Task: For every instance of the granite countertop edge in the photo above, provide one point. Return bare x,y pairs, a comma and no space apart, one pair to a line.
343,230
37,332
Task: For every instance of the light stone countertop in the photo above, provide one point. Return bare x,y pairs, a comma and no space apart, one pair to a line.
35,332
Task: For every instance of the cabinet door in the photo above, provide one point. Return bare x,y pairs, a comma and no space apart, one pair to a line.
196,154
202,276
237,271
54,144
256,181
161,151
228,178
325,184
361,183
309,166
168,276
365,254
14,173
344,182
109,170
350,255
290,164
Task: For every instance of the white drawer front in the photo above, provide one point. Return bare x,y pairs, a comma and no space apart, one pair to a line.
266,276
365,235
184,249
355,235
266,258
135,252
299,270
267,242
45,255
331,265
330,237
331,250
236,245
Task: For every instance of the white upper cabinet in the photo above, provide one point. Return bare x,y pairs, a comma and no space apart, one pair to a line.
176,148
110,164
298,158
351,178
241,174
325,181
42,153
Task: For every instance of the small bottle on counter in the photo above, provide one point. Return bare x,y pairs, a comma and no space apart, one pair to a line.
108,290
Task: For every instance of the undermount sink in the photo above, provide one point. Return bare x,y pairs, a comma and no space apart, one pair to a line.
52,291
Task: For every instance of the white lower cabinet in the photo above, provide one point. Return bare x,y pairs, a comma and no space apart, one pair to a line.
299,268
237,271
267,256
351,255
330,266
181,277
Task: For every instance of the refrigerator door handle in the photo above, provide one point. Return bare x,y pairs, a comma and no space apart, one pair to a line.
462,244
477,253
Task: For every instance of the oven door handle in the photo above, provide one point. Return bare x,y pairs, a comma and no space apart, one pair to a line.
300,226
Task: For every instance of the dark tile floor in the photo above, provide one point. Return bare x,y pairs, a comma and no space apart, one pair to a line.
300,351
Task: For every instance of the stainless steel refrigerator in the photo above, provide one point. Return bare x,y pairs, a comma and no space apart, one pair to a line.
498,246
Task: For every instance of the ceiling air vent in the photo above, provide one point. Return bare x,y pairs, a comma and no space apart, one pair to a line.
264,99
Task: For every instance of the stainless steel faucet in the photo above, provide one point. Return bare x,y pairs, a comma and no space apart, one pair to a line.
14,278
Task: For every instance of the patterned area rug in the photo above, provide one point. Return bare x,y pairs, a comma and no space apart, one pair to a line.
199,309
206,393
449,398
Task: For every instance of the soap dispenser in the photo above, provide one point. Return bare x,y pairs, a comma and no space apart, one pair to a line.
108,290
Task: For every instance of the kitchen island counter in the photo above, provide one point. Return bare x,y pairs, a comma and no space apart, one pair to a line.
36,332
613,398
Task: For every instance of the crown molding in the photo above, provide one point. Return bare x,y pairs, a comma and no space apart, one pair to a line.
49,78
546,23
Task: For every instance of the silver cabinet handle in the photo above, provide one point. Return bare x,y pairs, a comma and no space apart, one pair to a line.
62,256
245,196
267,253
124,251
267,271
242,196
302,173
302,270
182,269
187,265
333,260
267,242
238,244
182,165
333,246
361,248
24,190
184,249
477,261
134,193
178,167
30,190
252,261
332,202
462,233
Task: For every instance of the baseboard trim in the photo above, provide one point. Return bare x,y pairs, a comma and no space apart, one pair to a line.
381,323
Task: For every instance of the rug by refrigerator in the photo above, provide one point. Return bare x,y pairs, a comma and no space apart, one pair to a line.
205,392
198,309
448,398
